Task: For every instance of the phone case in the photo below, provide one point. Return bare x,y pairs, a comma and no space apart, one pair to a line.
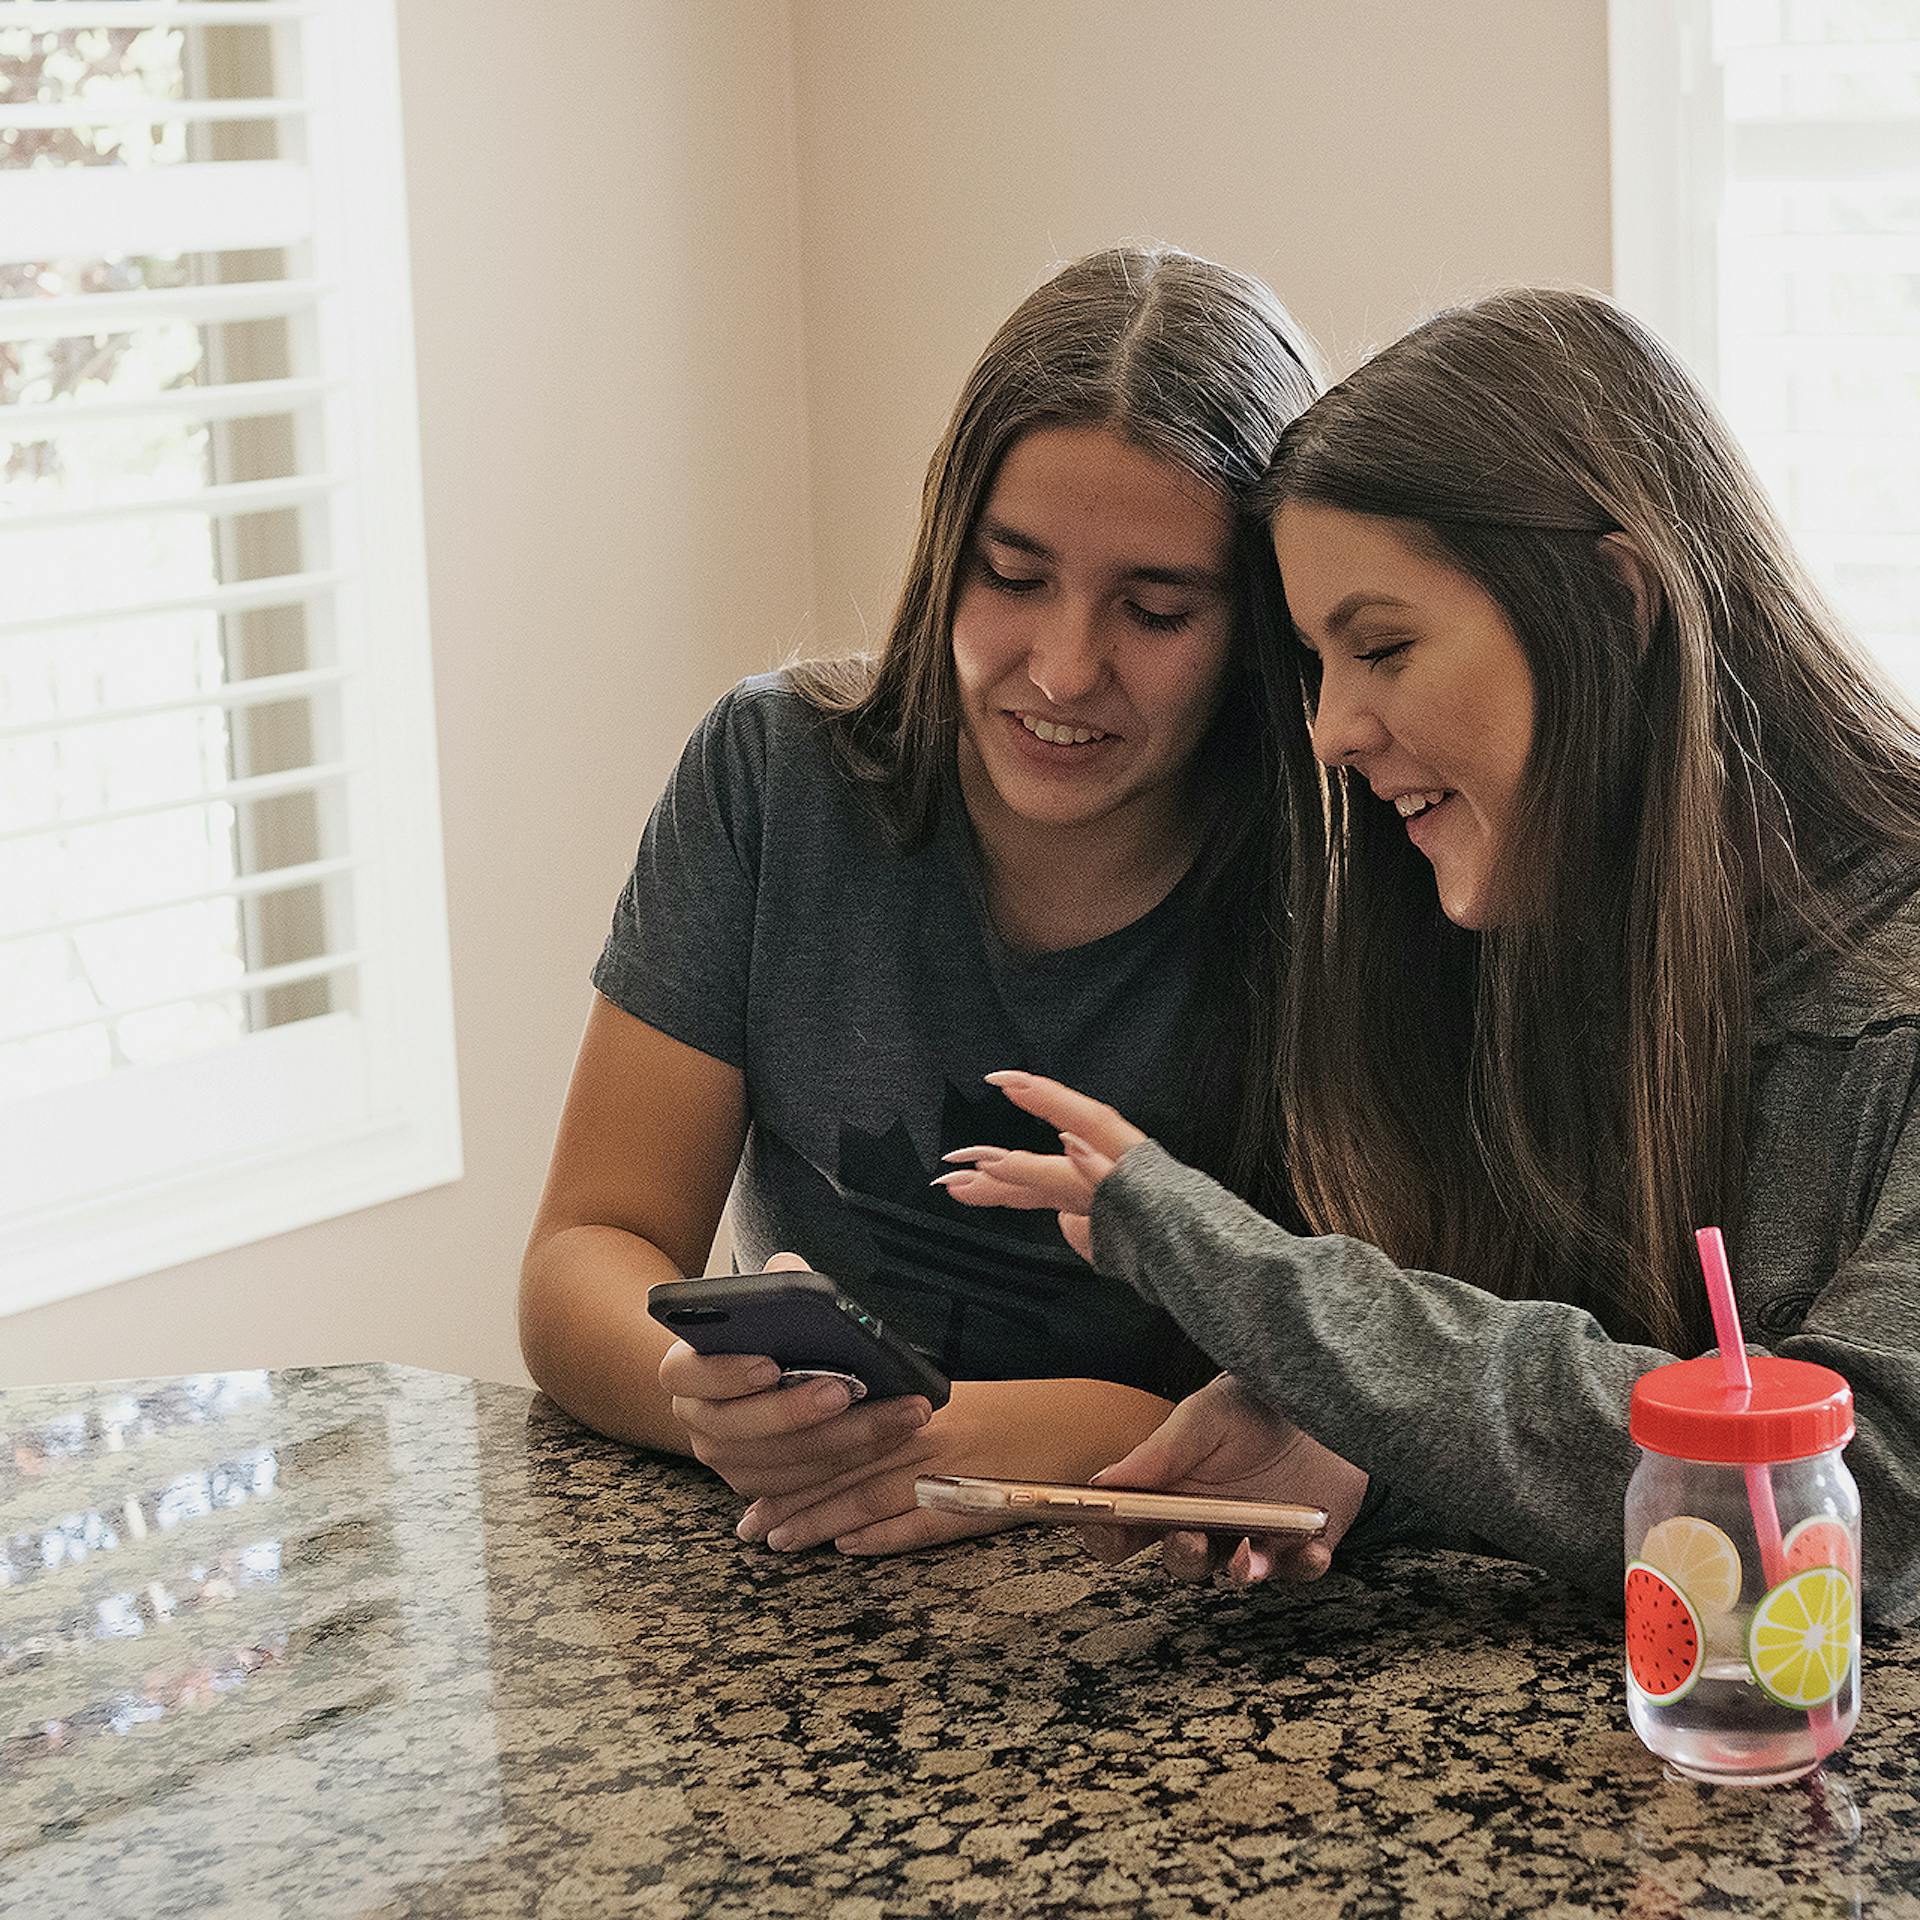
801,1320
1112,1506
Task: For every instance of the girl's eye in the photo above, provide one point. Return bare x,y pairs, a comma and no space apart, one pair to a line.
1375,655
1151,622
1007,582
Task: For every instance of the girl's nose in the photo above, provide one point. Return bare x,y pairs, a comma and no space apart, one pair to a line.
1068,657
1345,731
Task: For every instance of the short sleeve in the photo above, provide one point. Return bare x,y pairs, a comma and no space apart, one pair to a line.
679,952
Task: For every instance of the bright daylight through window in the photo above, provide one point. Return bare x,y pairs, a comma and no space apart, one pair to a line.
224,1007
1767,219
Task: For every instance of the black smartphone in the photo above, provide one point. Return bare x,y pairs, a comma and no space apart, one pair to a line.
801,1320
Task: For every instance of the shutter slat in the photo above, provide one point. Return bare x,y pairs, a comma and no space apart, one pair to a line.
261,692
205,306
261,786
1888,352
58,116
241,400
1853,253
250,886
1810,59
243,596
199,206
1806,343
1872,549
222,502
1805,152
261,980
70,16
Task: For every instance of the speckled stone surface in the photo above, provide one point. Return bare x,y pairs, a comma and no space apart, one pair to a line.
371,1641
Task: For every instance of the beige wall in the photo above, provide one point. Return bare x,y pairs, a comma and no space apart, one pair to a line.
689,323
1369,159
605,297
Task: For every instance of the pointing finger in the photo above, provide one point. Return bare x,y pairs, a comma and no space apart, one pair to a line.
1035,1181
1097,1124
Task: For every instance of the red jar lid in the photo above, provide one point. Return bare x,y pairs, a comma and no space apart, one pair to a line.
1794,1410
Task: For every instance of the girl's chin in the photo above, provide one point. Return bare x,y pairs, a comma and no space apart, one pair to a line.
1469,907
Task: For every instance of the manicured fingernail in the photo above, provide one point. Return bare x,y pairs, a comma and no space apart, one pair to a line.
910,1414
831,1397
1006,1077
1099,1479
953,1179
779,1539
1074,1144
763,1374
750,1527
979,1156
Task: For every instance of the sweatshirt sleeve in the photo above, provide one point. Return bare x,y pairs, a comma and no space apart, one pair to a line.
1502,1422
1865,1325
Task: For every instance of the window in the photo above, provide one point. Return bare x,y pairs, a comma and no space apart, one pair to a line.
224,997
1767,221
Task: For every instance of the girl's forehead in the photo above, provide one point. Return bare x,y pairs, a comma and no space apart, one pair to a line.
1326,552
1090,487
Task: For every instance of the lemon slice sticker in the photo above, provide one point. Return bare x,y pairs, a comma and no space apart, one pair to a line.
1698,1558
1800,1640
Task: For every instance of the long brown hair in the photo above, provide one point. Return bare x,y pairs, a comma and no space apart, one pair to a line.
1549,1107
1202,367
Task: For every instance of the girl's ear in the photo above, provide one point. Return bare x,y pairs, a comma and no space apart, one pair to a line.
1629,566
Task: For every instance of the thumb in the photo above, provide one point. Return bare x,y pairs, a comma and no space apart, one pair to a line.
1160,1460
1087,1161
1077,1230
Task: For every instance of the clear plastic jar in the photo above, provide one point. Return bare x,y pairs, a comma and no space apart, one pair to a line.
1743,1570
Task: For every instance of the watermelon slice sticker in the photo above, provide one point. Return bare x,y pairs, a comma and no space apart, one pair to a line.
1820,1542
1665,1647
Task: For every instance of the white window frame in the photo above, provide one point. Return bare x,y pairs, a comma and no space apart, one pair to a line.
307,1121
1678,163
1667,166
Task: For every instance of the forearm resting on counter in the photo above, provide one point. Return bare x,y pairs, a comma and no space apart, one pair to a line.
586,1335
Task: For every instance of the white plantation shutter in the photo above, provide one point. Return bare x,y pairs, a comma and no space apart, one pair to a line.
224,997
1767,221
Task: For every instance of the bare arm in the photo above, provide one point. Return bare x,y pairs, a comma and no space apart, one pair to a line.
649,1140
648,1143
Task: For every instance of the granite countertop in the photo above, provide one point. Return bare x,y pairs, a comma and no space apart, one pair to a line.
371,1641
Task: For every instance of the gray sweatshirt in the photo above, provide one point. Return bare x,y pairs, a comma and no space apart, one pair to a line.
1501,1425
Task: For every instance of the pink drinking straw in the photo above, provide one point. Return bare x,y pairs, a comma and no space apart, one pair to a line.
1739,1379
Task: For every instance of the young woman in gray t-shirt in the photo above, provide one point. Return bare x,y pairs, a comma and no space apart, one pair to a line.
1036,825
1611,840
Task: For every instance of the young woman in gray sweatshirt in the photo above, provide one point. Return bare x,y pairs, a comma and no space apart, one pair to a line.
1605,924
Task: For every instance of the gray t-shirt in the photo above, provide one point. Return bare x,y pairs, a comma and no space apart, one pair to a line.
771,923
1502,1424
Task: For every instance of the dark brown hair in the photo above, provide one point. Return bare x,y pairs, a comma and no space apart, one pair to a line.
1547,1108
1202,367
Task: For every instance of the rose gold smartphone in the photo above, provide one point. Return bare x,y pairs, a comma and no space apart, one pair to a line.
1112,1506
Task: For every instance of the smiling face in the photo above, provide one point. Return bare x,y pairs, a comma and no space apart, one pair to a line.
1091,634
1424,690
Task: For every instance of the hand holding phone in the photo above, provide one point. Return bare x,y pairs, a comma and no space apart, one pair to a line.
804,1323
1223,1443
